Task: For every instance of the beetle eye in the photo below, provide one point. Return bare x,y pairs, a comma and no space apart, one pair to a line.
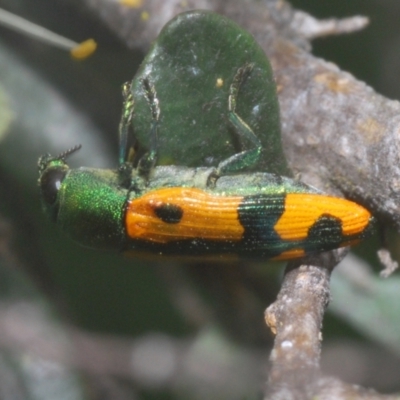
50,183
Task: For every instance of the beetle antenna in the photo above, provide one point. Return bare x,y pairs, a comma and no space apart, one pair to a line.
65,154
47,159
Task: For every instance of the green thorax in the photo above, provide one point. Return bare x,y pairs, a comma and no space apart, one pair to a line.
91,206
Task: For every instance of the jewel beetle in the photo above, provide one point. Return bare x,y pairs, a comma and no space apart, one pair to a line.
201,211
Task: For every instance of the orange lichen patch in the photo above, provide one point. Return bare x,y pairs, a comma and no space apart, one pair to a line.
204,216
289,254
84,49
373,131
303,210
270,319
144,16
335,82
219,83
131,3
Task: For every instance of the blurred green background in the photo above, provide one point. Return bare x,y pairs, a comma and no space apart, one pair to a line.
50,103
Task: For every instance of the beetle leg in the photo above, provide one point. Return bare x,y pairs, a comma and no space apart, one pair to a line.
246,158
148,161
125,150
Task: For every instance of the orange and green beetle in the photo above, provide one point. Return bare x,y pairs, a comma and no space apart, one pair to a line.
196,211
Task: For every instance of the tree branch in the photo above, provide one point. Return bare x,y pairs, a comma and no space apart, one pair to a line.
296,319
